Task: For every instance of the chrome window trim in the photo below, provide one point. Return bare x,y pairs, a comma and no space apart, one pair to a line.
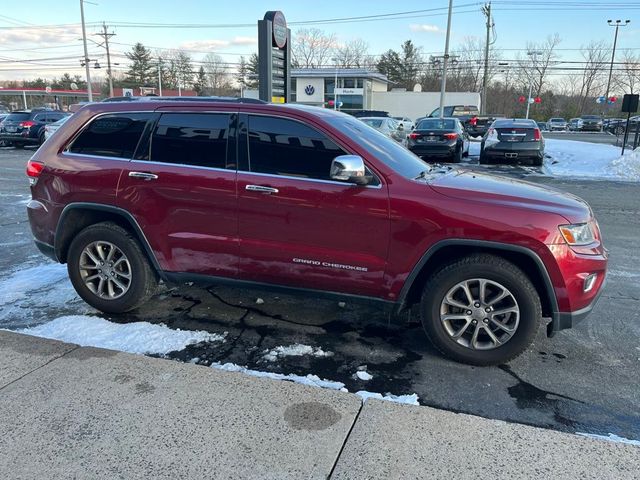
315,180
182,165
338,143
104,157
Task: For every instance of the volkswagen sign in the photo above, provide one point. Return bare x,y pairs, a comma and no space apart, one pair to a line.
309,90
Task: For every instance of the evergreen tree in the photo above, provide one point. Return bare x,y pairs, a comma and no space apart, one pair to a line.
241,75
253,69
402,67
200,82
141,70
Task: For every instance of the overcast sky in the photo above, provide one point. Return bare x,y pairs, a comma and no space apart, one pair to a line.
28,50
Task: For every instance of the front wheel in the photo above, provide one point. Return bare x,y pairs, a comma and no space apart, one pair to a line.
481,310
109,270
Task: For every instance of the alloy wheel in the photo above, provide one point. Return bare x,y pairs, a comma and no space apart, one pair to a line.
105,270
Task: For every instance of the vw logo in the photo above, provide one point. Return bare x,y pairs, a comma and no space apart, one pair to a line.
309,90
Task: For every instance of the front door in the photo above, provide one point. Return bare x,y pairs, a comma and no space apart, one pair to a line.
182,192
297,226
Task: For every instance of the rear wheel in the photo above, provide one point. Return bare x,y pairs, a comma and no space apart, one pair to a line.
457,157
483,160
481,310
18,145
109,270
41,138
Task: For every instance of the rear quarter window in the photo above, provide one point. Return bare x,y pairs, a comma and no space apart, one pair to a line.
111,135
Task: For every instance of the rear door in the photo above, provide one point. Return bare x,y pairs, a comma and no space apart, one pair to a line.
298,227
181,189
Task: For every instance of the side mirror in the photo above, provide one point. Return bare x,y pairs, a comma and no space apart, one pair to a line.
400,127
349,168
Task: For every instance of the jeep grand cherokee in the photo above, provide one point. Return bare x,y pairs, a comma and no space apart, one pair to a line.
308,200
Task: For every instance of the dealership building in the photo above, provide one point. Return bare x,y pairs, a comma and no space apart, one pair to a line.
363,89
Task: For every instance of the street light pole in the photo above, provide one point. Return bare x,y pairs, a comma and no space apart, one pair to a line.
486,9
443,85
86,53
335,83
531,54
617,24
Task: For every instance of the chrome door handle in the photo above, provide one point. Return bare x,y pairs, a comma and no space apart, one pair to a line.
261,189
143,175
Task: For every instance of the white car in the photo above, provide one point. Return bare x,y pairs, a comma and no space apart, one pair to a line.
406,122
389,126
52,127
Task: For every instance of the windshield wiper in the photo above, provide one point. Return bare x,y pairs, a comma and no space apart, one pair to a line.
423,174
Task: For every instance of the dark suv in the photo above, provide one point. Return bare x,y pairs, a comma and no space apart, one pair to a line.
309,200
26,127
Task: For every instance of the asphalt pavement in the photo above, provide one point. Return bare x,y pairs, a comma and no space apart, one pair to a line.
582,380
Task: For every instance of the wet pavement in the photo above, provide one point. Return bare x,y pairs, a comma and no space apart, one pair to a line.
582,380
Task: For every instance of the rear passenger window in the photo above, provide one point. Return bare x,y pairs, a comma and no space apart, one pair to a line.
111,135
198,139
286,147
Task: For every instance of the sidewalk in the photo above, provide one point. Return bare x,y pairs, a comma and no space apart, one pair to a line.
75,412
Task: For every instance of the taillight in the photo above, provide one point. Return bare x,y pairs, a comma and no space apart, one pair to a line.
34,169
27,124
414,136
450,136
473,121
536,135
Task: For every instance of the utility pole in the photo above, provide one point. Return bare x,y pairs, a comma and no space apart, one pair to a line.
443,86
617,24
106,37
86,53
160,76
486,10
531,54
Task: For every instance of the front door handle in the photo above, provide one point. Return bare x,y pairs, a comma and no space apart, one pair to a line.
143,175
261,189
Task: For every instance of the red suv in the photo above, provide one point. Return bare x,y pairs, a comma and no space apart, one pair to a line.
309,200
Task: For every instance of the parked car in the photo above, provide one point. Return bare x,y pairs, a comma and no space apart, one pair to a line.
542,126
475,124
513,140
52,127
2,117
557,123
311,201
388,126
575,124
439,138
591,123
369,113
619,125
406,123
26,127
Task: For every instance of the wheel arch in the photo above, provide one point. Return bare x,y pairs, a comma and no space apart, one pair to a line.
77,216
446,251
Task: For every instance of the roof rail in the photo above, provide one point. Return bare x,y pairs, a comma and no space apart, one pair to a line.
155,98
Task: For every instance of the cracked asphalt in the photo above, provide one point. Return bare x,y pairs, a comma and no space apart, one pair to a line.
582,380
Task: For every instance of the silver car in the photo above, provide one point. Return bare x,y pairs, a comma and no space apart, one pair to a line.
389,126
52,127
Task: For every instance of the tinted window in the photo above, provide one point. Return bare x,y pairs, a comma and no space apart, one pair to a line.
373,123
436,124
17,117
198,139
286,147
112,135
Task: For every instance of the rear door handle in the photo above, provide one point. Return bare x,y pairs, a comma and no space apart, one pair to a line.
261,189
143,175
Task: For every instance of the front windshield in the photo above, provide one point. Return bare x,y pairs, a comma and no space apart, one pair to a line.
390,152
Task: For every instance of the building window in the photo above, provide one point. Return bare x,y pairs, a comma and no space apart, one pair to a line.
360,83
349,83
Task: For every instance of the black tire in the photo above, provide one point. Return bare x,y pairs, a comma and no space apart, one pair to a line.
143,278
457,157
41,138
495,269
18,145
483,160
538,162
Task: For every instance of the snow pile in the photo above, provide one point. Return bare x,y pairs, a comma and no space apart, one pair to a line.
309,380
408,399
610,438
138,337
26,281
363,375
591,160
294,350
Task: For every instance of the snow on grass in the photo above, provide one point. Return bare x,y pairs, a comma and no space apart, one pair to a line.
296,349
610,438
408,399
137,337
309,380
591,160
22,282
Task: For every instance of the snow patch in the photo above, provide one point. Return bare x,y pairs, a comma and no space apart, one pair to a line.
23,282
363,375
610,438
296,349
309,380
137,337
407,399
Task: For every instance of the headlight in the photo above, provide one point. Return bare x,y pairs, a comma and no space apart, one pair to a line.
578,234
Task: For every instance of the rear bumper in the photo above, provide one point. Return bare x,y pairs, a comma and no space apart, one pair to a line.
425,150
46,249
513,153
10,137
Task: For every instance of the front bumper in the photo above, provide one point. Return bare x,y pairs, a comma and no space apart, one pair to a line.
564,320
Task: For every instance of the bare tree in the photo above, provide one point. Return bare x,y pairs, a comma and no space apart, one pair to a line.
353,54
535,68
595,58
312,48
217,74
628,79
